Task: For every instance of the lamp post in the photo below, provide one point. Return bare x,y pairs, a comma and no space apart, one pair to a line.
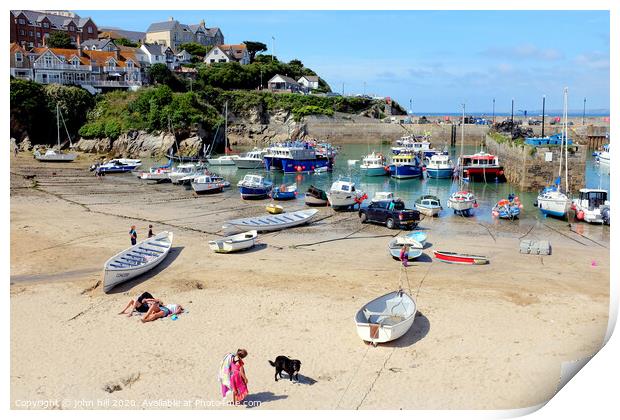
342,88
261,79
512,112
493,110
543,119
364,88
273,47
410,106
583,117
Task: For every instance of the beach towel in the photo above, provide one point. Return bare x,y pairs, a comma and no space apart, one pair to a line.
224,374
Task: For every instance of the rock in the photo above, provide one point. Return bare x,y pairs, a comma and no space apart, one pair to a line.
142,144
25,145
94,145
190,147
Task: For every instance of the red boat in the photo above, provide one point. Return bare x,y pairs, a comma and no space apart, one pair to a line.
482,167
457,258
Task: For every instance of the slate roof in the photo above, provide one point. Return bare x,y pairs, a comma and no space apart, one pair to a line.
116,33
56,21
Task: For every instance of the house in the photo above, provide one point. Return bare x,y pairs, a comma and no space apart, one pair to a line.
309,82
159,54
227,53
183,57
283,83
93,70
115,33
31,28
172,33
20,63
98,45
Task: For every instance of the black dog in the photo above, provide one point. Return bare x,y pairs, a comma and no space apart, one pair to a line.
290,366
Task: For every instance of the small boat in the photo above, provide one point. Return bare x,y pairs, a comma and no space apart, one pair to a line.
250,160
440,166
342,194
52,155
254,186
462,202
417,236
225,160
352,162
458,258
604,157
404,166
136,260
272,223
239,242
553,202
117,166
285,192
321,170
394,247
592,206
383,196
207,184
481,166
507,208
274,208
428,205
386,318
181,171
374,165
157,173
315,197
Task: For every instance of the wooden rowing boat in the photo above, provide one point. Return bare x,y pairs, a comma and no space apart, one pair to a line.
458,258
234,243
271,223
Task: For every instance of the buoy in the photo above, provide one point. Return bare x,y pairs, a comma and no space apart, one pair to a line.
495,213
580,215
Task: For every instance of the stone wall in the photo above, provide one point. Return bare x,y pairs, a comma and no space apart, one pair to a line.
525,166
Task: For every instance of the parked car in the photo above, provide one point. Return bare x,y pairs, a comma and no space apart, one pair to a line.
391,213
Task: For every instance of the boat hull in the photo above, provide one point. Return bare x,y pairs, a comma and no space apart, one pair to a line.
286,195
439,173
428,211
234,243
373,170
56,158
272,223
314,201
455,258
484,174
405,171
207,188
293,166
382,326
553,207
249,163
254,192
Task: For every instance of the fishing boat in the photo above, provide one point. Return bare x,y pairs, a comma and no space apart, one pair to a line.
181,171
507,208
250,160
439,166
207,184
284,192
315,197
412,146
383,196
404,166
385,318
254,186
136,260
604,157
417,236
271,223
224,160
462,201
116,166
373,165
394,248
343,194
551,200
299,157
458,258
234,243
52,155
592,206
274,208
428,205
481,166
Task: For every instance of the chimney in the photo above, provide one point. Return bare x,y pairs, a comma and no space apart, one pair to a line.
170,18
202,22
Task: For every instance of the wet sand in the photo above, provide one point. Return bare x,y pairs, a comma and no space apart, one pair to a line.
486,337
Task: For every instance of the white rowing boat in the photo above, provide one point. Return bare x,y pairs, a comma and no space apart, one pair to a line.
136,260
386,318
394,247
271,222
234,243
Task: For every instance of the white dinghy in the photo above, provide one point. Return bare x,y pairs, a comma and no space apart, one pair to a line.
234,243
136,260
386,318
271,222
415,249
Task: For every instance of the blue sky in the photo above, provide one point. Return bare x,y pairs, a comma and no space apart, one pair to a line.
439,59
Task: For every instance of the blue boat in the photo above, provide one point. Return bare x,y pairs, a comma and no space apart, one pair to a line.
507,209
554,140
284,192
254,186
440,166
298,157
117,166
405,166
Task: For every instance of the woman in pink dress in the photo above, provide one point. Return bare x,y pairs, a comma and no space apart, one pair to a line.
238,380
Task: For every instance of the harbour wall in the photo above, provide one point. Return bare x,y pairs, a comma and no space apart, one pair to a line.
529,169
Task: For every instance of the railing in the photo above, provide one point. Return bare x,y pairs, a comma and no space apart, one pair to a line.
107,69
114,83
57,66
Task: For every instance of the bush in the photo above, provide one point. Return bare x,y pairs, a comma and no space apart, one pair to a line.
112,129
299,113
92,130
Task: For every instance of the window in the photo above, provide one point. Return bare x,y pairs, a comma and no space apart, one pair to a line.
22,32
46,25
90,29
213,60
129,64
47,60
30,33
38,34
72,39
22,21
75,61
18,57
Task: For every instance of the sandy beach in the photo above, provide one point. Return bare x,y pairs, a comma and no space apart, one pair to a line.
485,337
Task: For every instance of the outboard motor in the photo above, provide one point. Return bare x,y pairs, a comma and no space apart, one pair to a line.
605,213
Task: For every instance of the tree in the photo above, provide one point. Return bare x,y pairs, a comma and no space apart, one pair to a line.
194,49
254,47
59,40
159,73
126,42
265,58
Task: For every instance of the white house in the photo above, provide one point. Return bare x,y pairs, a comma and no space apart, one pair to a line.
309,82
228,53
159,54
279,82
183,57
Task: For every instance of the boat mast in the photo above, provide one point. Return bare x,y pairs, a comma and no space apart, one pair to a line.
58,124
461,156
226,127
565,137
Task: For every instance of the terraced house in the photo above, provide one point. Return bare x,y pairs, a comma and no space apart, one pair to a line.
31,28
172,34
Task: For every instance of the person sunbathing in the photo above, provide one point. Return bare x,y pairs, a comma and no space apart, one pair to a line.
141,304
160,310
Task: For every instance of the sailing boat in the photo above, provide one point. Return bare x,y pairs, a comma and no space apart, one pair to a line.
551,200
226,160
462,201
52,155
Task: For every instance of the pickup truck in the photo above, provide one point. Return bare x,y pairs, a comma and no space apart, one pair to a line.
392,213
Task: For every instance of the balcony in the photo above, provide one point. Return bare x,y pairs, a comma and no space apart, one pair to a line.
59,66
113,83
113,69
